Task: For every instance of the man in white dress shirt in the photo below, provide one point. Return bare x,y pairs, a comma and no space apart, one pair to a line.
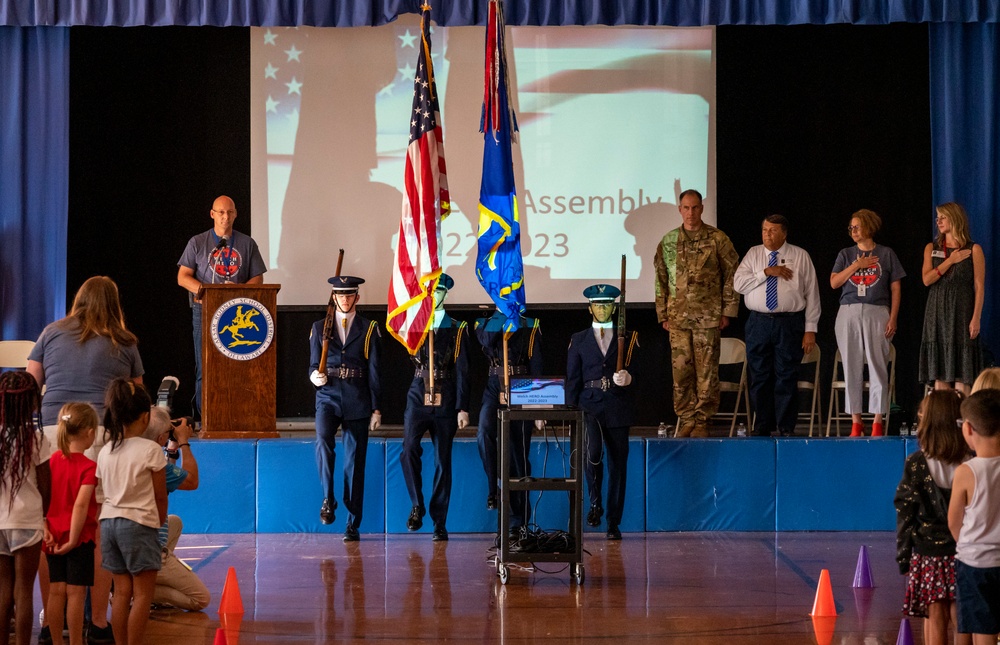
778,284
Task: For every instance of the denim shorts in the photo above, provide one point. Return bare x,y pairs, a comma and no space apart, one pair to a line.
74,568
129,547
977,592
15,539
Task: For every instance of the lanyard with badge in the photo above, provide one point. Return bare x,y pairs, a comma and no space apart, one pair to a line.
862,287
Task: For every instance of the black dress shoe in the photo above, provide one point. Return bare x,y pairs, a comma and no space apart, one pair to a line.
594,515
491,502
613,532
416,519
326,511
440,532
351,534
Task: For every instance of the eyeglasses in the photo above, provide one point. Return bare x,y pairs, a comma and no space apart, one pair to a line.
852,228
960,423
230,212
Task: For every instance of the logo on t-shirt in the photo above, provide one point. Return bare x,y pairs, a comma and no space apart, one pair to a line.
226,262
868,277
242,329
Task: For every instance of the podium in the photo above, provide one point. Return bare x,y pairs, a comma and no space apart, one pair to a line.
238,360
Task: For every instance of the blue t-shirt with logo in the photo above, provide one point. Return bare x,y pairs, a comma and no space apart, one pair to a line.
876,279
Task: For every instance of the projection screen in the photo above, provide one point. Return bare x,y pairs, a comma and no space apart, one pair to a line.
614,123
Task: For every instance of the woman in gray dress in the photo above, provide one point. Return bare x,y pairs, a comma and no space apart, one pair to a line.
955,271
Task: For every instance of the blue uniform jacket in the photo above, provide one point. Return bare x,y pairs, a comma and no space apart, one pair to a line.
524,347
451,345
584,362
353,398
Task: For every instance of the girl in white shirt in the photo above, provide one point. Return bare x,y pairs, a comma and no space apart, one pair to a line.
131,470
24,490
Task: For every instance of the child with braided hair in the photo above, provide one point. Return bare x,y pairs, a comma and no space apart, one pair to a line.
24,495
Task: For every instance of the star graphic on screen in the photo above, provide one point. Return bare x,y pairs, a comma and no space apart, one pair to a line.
272,105
387,90
408,39
270,37
293,54
271,71
294,86
407,71
293,115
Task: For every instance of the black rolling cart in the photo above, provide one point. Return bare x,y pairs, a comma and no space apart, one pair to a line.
573,485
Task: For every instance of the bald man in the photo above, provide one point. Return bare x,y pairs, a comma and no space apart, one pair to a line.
219,255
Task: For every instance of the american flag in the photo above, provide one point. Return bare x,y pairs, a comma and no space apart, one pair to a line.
417,268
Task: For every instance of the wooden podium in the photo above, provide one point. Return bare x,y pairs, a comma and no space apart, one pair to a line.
239,359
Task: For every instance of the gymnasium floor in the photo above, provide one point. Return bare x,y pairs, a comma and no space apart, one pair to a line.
651,587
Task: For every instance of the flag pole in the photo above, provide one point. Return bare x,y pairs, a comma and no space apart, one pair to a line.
506,372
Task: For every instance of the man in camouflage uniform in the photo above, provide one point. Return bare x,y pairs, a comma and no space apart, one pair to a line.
695,299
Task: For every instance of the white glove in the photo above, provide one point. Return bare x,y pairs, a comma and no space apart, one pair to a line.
318,378
376,421
622,378
539,424
463,419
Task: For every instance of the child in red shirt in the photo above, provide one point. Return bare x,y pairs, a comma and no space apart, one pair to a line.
71,521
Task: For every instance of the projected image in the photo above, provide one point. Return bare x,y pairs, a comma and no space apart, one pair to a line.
614,122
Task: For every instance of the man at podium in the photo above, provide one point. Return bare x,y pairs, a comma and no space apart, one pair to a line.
220,255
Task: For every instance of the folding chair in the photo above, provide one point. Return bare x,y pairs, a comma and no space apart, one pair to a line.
838,384
733,351
813,415
14,353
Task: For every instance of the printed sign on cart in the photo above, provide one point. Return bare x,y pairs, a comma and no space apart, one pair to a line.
242,329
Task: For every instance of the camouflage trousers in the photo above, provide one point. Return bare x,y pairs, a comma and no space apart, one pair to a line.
695,362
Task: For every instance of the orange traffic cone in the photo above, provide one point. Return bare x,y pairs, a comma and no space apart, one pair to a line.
231,603
824,605
220,637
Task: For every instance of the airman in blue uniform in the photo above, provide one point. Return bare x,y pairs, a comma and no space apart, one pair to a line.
451,382
347,397
524,357
593,384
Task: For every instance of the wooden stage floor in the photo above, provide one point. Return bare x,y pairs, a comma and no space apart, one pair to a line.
650,587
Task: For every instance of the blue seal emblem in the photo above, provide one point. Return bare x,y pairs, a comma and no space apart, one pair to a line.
242,329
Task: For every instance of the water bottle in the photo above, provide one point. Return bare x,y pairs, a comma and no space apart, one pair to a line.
741,430
663,430
904,430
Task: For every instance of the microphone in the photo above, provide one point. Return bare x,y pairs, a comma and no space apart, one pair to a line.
222,244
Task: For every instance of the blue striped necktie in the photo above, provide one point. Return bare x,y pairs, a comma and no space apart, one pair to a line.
771,290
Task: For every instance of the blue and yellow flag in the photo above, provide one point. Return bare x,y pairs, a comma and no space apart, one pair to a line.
499,266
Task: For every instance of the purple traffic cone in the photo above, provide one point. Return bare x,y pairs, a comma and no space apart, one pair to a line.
905,633
863,573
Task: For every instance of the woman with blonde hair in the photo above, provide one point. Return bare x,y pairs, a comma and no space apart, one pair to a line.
76,358
954,271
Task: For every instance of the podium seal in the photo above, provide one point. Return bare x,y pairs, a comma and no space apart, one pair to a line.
242,329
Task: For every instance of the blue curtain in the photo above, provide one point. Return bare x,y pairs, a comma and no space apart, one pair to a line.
350,13
965,139
34,177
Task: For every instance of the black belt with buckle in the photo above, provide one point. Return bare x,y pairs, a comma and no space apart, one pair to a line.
513,370
345,372
438,374
604,383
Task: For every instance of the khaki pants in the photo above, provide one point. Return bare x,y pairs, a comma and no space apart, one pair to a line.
177,585
695,362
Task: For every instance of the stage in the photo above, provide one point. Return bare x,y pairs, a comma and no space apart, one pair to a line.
714,484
